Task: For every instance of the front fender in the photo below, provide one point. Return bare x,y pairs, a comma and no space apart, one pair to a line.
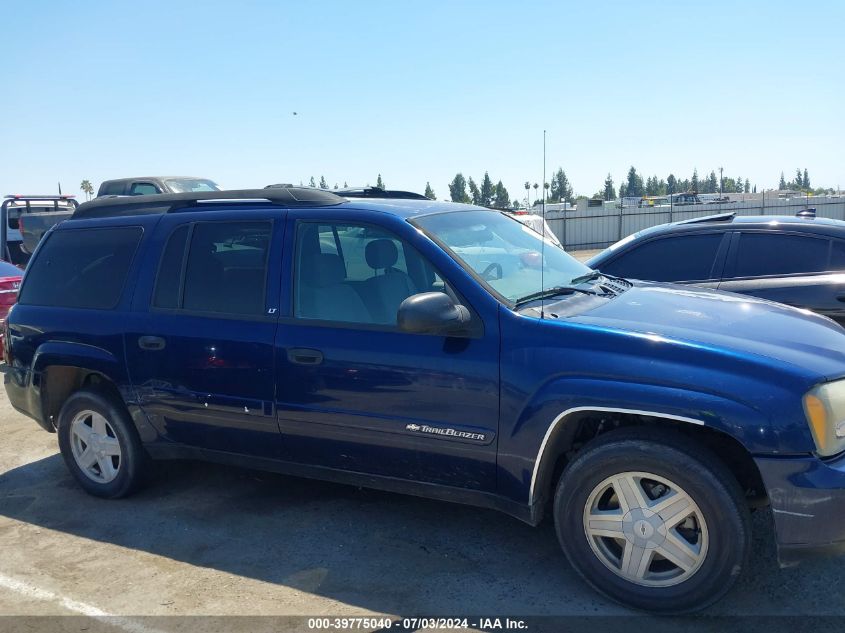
529,451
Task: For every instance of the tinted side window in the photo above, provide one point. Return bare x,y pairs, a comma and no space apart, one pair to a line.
169,279
837,256
356,274
681,258
143,189
780,254
111,189
225,271
81,268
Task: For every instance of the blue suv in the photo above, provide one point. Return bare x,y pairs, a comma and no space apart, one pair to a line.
441,350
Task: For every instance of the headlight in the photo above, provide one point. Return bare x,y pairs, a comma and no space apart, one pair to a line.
825,409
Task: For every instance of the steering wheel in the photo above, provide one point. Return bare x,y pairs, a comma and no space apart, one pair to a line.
487,274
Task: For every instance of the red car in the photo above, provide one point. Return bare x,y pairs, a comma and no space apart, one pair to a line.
10,282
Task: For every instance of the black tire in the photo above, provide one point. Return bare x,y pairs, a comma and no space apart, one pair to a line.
133,462
697,472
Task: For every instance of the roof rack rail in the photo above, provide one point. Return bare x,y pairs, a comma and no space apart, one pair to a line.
109,206
719,217
50,196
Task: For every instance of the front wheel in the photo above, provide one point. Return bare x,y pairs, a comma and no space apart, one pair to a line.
653,521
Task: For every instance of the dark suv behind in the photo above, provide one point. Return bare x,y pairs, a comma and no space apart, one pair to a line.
799,261
441,350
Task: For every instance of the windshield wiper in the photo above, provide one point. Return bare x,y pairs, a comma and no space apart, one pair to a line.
590,276
596,275
553,292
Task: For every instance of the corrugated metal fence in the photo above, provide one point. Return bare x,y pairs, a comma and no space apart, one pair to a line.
587,228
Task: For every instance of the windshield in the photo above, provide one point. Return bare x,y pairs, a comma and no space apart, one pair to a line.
504,252
185,185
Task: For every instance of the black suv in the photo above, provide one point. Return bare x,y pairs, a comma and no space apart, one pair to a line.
799,261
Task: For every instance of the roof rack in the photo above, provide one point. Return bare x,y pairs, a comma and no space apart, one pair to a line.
109,206
719,217
24,196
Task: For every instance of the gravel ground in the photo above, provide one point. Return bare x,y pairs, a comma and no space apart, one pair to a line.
211,540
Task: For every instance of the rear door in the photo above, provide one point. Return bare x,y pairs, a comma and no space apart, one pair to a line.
201,356
798,269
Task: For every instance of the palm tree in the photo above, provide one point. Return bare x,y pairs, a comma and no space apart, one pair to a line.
87,188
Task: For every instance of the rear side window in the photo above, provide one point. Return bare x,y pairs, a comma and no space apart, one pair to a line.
837,255
170,270
143,189
223,270
111,188
81,268
780,254
682,258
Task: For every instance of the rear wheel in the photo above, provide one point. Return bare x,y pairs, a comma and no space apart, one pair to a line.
100,444
652,521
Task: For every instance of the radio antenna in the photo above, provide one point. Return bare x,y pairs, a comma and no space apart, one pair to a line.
543,245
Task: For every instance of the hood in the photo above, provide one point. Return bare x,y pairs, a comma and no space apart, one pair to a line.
732,322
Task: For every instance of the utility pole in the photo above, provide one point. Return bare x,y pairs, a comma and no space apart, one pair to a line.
721,180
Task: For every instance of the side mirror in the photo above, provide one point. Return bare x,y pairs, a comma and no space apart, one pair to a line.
432,313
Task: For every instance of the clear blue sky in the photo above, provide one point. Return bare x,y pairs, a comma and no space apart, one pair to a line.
418,91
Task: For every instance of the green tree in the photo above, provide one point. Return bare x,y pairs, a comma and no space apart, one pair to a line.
634,186
487,191
609,191
429,192
799,179
87,188
380,182
323,183
501,199
712,183
782,183
747,187
515,204
345,185
312,183
458,189
738,188
694,184
806,181
474,192
671,184
560,188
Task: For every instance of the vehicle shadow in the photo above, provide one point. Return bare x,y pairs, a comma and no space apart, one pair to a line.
379,551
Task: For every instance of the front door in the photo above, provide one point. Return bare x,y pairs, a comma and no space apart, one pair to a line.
356,393
202,355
